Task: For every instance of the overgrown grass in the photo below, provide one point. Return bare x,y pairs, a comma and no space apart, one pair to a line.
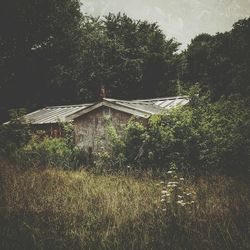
56,209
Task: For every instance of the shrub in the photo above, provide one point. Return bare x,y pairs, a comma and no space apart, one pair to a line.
46,152
13,134
50,152
201,135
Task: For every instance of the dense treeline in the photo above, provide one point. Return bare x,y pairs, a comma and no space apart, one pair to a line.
221,62
52,54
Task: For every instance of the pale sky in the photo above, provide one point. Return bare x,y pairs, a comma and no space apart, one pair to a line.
182,19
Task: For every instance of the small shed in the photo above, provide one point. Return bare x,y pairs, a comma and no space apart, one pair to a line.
90,120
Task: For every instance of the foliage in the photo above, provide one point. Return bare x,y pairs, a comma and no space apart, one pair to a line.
61,51
13,134
202,135
110,153
34,150
220,62
131,58
43,151
40,47
47,152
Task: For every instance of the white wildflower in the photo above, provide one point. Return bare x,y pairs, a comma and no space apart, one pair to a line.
172,185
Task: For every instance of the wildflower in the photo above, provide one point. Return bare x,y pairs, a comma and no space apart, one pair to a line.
162,182
169,172
181,179
179,196
164,192
162,200
128,167
164,209
172,185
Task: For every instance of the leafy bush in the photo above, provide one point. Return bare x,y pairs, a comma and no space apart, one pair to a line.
50,152
225,134
46,152
201,135
25,149
13,134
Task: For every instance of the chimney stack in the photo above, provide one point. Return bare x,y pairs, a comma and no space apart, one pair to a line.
102,92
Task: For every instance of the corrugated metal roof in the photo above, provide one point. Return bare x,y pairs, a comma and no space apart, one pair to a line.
143,108
53,114
152,106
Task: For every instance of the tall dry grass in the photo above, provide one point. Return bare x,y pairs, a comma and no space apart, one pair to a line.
56,209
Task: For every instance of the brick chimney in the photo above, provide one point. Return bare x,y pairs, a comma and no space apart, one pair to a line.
103,92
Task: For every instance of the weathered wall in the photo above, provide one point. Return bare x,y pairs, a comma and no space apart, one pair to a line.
51,130
90,128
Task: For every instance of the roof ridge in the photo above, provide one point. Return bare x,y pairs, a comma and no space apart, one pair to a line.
134,108
145,100
67,106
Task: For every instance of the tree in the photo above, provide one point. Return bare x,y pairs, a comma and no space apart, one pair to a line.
40,48
132,59
197,57
221,62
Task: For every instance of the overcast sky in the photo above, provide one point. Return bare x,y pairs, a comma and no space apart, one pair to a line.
182,19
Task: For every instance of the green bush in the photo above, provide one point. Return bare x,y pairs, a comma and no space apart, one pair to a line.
13,134
50,152
46,152
225,134
200,135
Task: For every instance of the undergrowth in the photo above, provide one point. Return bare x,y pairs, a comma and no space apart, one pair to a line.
58,209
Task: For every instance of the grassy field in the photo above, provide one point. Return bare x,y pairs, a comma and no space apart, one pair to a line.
56,209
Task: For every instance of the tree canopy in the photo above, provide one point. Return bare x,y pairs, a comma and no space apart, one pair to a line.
40,47
52,54
221,62
132,59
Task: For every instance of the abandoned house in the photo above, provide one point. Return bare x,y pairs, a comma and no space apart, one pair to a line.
89,120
